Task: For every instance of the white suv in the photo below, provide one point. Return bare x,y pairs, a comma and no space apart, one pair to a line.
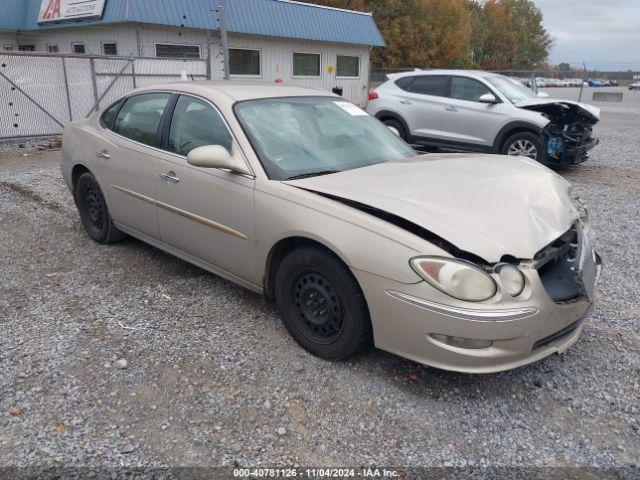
484,112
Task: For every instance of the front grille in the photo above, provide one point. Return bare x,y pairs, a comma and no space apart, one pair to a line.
566,331
567,267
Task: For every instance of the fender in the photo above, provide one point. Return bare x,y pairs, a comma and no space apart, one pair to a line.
510,127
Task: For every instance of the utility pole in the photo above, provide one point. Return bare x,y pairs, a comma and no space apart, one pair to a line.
584,74
222,21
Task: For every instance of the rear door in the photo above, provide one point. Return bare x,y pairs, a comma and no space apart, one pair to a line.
422,103
204,212
127,150
466,119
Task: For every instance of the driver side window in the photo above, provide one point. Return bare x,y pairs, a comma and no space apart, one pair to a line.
463,88
195,124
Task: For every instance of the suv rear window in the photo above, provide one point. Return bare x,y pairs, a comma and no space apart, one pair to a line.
405,83
435,85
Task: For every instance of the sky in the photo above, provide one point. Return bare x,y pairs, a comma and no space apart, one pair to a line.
603,33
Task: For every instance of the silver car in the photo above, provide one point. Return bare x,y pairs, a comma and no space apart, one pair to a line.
474,263
484,112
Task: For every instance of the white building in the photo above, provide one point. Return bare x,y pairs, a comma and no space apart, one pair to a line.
271,40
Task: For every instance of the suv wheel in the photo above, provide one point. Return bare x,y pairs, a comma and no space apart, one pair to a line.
94,213
390,122
525,144
321,304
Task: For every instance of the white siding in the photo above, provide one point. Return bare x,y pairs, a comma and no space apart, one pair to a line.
277,63
276,53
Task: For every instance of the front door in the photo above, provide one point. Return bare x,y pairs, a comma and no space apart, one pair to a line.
469,121
206,213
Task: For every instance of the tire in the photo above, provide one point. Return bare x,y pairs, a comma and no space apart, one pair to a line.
526,140
94,214
390,122
321,305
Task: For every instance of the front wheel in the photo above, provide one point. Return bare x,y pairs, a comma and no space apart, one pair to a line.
525,144
322,305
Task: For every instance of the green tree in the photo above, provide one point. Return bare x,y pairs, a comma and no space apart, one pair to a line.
490,34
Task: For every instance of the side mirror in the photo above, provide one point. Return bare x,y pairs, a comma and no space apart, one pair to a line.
543,95
488,98
394,130
216,156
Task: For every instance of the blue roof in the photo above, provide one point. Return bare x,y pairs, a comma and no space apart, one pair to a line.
280,18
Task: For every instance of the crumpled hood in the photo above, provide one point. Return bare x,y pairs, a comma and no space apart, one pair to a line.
554,106
488,205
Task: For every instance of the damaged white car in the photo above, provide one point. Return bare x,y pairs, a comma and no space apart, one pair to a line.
474,263
484,112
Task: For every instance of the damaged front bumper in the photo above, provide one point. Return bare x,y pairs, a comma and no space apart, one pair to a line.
563,151
422,324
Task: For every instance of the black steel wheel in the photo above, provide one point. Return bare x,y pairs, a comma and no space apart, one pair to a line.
318,307
94,213
322,305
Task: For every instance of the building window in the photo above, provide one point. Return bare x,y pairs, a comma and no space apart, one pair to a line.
348,67
8,48
78,48
27,48
306,64
110,49
244,62
171,50
53,49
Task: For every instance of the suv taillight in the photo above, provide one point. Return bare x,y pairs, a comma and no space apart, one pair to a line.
373,96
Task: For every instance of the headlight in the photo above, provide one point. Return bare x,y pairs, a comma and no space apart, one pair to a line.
459,279
511,278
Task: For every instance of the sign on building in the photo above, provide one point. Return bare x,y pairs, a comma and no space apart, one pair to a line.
68,10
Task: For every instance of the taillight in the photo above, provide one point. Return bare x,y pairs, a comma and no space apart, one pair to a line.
373,96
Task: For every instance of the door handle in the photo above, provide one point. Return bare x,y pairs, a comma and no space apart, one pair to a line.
169,177
103,154
405,102
451,109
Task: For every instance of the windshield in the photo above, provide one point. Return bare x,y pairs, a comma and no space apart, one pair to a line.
305,136
515,92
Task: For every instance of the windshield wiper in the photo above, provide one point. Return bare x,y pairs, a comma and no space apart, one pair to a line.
312,174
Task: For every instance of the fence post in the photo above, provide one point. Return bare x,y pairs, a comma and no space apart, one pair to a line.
209,54
133,72
66,86
225,42
94,81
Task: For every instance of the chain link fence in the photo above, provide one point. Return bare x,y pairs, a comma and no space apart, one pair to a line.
40,93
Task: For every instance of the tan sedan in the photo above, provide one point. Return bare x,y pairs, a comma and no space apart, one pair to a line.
473,263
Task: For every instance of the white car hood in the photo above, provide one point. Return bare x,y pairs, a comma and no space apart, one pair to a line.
487,205
549,105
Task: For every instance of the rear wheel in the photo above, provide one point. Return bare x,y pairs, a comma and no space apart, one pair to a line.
94,213
322,305
525,144
390,122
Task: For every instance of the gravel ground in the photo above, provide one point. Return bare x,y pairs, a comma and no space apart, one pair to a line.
126,356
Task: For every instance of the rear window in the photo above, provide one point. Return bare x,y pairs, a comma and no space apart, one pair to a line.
140,117
405,83
435,85
109,115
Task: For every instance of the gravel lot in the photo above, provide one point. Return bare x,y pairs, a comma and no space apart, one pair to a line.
126,356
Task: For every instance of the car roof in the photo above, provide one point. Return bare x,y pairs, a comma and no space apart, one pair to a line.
239,90
464,73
